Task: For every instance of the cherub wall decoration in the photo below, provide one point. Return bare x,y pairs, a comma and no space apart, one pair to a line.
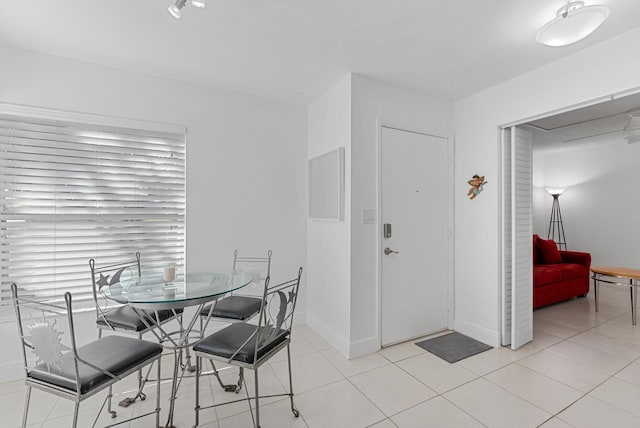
477,185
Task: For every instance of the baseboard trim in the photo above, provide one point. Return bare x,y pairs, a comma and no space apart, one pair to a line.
335,340
364,347
476,332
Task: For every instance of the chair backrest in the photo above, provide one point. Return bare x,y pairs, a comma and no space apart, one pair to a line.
109,275
276,313
259,267
44,342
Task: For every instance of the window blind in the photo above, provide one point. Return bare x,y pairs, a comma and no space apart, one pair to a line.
71,191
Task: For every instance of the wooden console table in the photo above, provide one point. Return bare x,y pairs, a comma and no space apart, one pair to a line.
614,275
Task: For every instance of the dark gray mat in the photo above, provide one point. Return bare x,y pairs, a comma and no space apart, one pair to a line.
453,347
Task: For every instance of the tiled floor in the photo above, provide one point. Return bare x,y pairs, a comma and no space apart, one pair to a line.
581,370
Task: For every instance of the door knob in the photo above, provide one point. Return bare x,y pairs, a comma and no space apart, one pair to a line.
388,251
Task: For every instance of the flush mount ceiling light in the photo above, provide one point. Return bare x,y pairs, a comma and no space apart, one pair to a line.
573,22
175,9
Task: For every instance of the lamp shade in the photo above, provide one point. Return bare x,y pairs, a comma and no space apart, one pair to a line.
555,190
572,23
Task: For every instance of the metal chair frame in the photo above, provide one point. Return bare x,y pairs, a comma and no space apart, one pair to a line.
205,319
76,395
102,310
267,329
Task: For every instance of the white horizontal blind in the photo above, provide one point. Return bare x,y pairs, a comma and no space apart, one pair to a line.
72,191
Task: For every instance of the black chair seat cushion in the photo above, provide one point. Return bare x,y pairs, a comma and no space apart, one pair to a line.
225,343
124,317
239,308
116,354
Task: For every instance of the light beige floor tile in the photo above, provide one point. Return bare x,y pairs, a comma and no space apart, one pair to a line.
269,384
623,320
384,424
542,391
616,331
309,372
631,373
312,337
436,412
357,365
391,389
11,387
608,344
495,407
556,423
619,393
436,373
401,351
543,340
271,416
591,412
495,358
553,328
86,418
209,425
339,404
569,372
12,407
592,357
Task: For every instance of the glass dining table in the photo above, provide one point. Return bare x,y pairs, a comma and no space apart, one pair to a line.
149,294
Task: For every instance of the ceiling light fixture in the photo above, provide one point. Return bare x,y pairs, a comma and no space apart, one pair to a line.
573,22
175,9
198,3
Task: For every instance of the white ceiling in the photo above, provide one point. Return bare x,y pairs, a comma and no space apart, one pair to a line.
294,50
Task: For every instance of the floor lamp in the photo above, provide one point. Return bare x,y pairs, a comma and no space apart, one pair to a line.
556,229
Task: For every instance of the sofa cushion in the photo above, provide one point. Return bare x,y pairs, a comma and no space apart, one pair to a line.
547,274
549,251
536,258
573,271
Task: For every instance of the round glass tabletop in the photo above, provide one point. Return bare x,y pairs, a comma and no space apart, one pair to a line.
149,291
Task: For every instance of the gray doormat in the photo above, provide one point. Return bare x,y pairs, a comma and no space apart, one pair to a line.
453,347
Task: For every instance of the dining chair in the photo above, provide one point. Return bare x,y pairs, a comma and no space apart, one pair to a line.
123,318
240,306
249,346
55,364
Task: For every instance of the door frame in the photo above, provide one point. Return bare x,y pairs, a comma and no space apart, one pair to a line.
501,196
448,137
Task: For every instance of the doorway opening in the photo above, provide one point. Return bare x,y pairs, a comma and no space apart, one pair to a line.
589,151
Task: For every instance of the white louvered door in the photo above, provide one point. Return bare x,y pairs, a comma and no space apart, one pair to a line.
521,232
506,238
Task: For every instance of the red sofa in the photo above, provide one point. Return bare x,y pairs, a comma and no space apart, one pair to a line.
558,275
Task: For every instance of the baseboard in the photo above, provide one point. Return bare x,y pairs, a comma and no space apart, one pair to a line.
335,340
476,332
364,347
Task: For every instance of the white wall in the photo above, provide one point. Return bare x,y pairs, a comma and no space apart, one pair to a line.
607,68
376,103
328,242
246,157
600,206
343,259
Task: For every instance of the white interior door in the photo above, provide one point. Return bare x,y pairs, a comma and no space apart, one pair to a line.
415,202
